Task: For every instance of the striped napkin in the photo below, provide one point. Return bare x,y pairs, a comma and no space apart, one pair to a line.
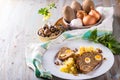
35,51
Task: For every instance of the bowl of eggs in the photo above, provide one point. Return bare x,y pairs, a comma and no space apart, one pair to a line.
77,16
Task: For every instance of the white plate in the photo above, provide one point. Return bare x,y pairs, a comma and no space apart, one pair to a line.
49,57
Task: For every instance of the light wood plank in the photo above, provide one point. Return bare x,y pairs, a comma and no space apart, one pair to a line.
19,23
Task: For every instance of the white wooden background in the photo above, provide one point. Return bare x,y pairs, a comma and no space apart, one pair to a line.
19,23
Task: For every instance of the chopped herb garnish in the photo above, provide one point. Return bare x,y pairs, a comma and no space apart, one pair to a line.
46,11
107,40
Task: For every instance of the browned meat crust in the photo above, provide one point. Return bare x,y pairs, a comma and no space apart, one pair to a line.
87,67
62,55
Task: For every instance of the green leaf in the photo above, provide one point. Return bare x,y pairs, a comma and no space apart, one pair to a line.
43,11
93,35
52,5
107,40
46,10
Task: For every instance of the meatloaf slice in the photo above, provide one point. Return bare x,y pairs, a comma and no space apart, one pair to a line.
64,53
88,61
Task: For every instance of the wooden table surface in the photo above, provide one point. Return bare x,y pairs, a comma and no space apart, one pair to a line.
19,23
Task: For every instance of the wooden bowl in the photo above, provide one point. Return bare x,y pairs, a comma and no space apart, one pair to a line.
45,39
60,22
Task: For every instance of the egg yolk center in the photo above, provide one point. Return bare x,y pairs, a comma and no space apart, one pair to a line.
87,60
98,57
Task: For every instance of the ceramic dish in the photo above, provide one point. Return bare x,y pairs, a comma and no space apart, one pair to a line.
62,22
50,54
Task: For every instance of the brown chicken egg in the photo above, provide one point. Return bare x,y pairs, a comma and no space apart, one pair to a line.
75,5
87,4
68,13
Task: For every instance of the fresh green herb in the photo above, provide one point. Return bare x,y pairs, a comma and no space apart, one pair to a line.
107,40
46,11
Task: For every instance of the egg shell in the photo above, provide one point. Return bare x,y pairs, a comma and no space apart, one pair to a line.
68,13
87,4
75,5
76,23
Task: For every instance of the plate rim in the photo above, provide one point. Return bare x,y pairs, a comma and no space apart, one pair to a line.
89,77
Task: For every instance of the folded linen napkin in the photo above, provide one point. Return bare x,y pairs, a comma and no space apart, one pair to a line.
35,51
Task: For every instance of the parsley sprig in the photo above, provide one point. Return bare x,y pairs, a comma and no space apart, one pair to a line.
107,40
46,11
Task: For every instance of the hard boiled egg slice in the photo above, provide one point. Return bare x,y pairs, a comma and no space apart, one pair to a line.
87,60
98,57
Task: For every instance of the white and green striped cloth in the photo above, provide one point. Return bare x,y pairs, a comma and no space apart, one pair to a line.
34,52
